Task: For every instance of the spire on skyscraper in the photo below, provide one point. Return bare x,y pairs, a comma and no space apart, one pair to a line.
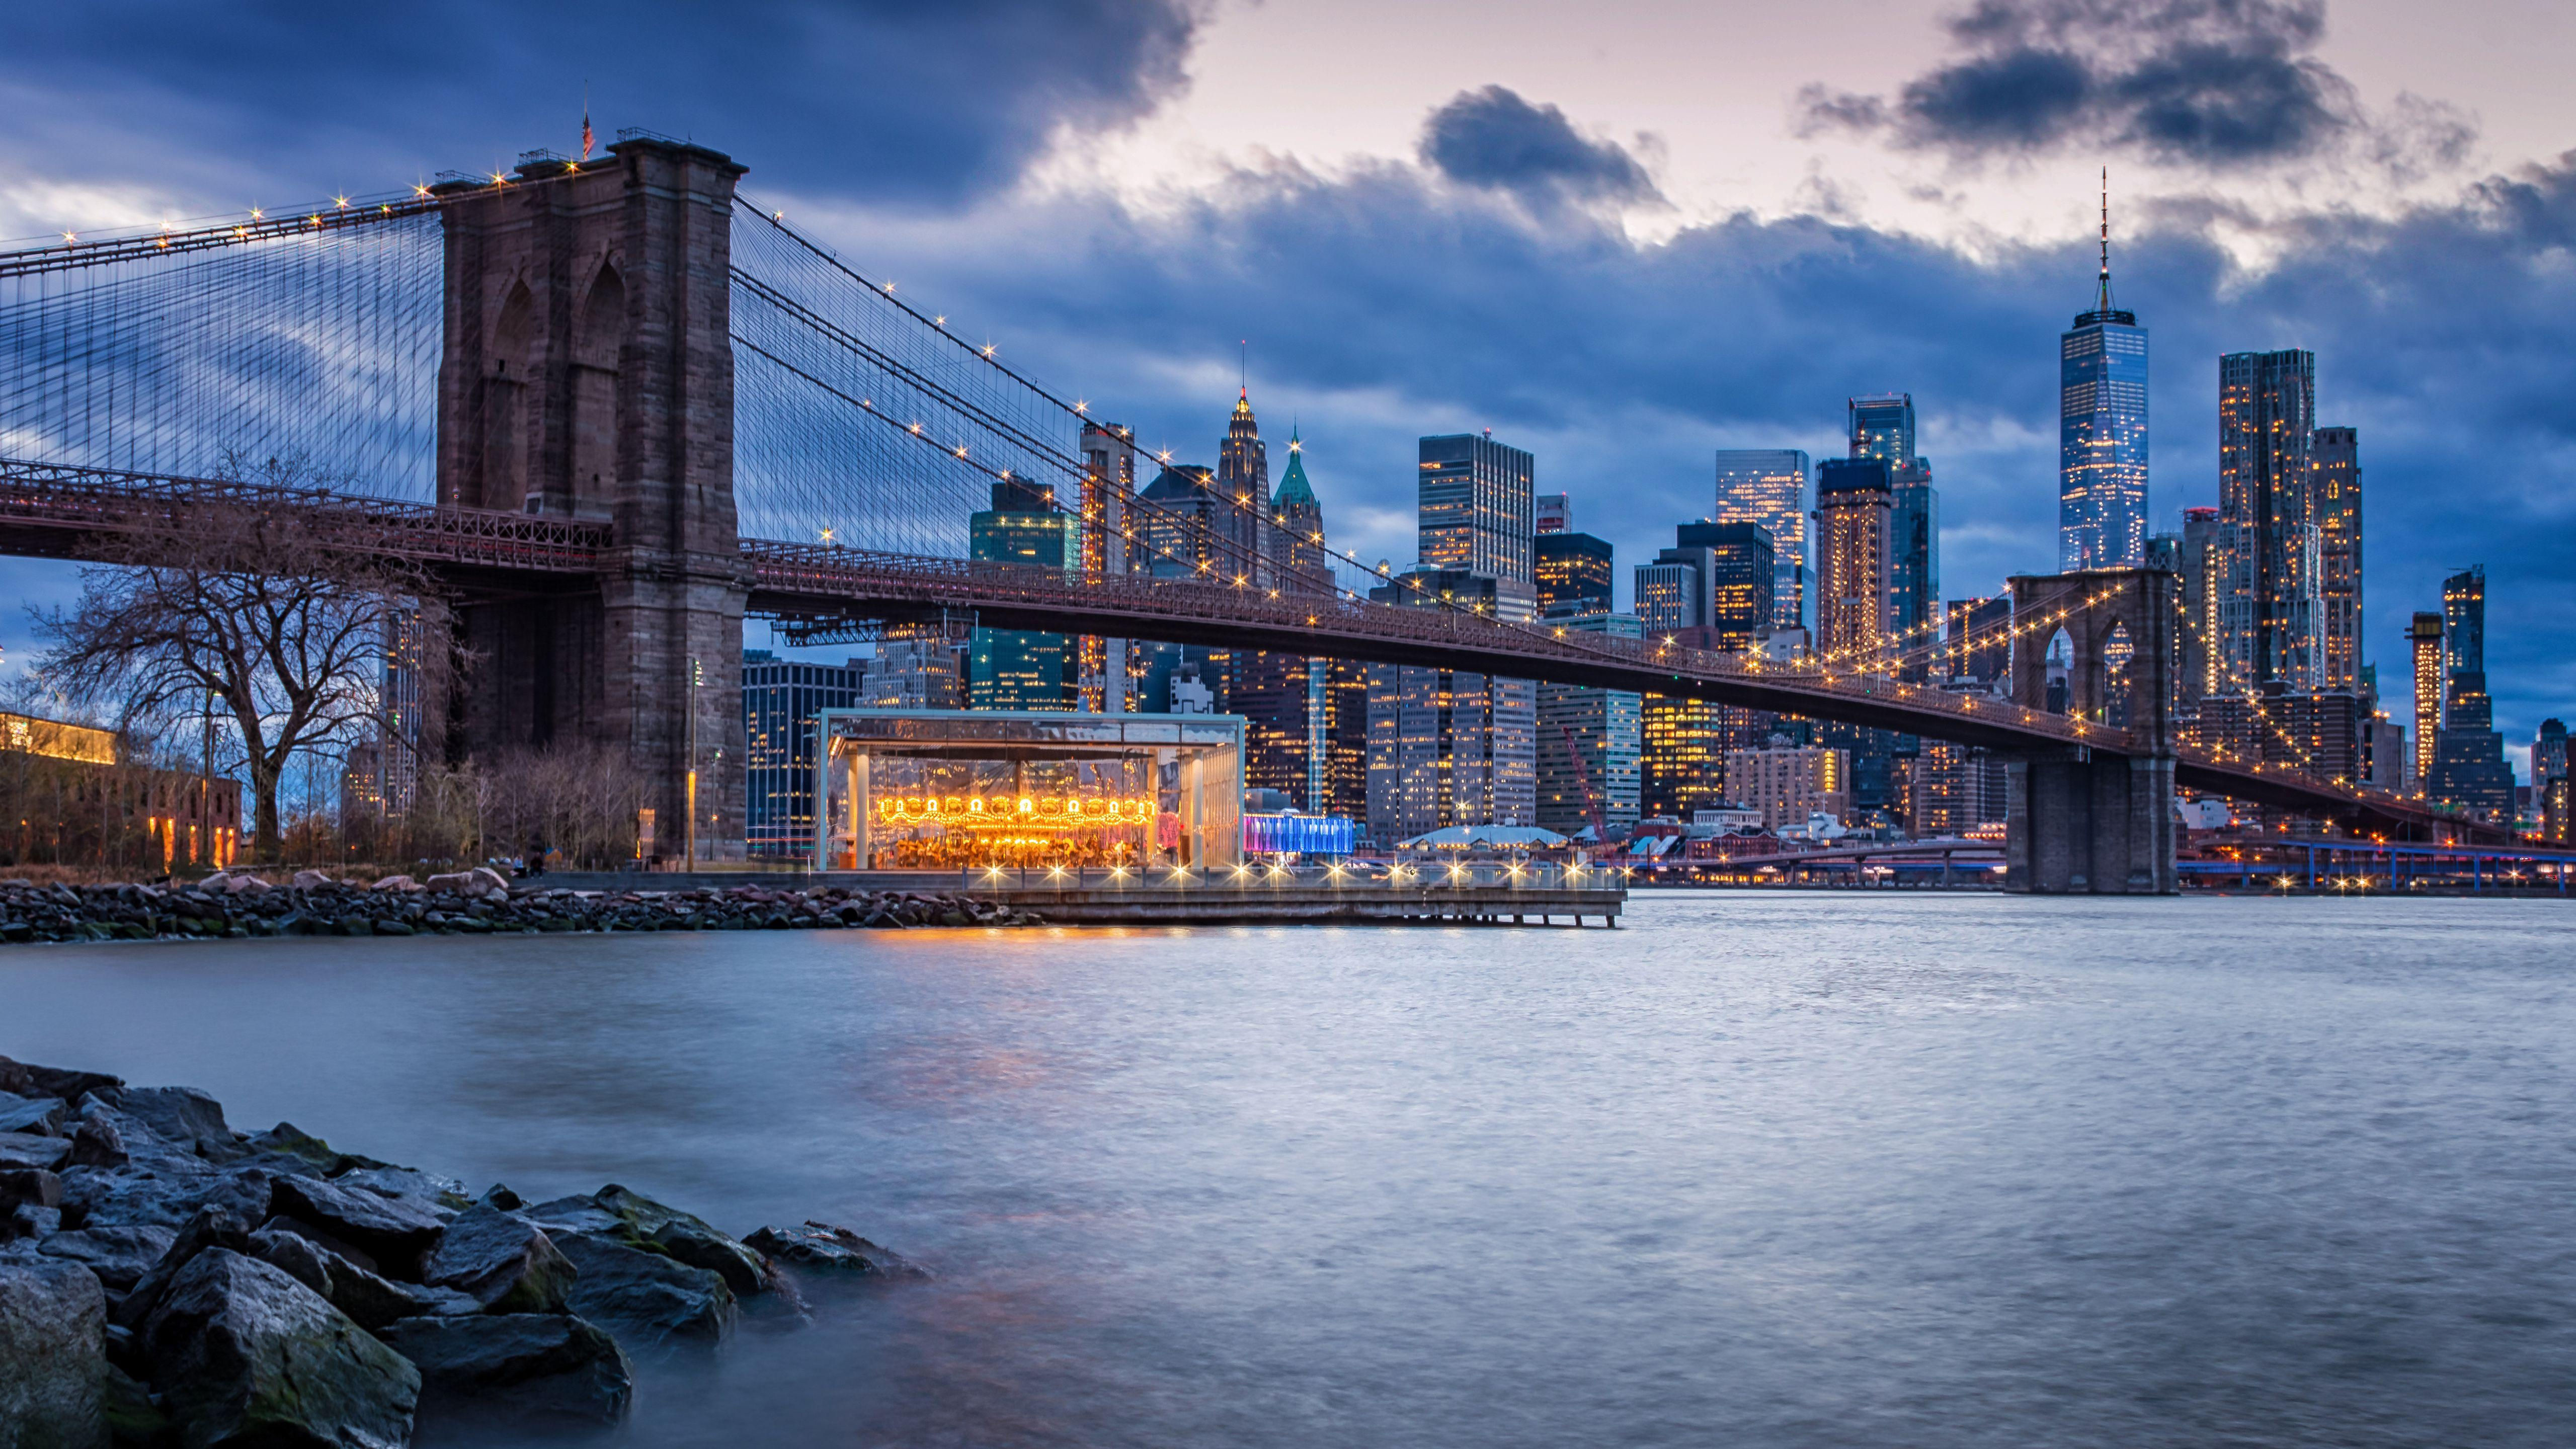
2102,303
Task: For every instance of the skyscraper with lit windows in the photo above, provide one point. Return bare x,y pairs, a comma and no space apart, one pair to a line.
2271,614
1853,501
2102,431
1769,486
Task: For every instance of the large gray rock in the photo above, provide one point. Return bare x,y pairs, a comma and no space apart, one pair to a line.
53,1357
634,1291
631,1218
210,1228
243,1354
397,1233
22,1150
183,1117
519,1365
95,1140
120,1256
289,1151
507,1264
43,1116
26,1079
369,1298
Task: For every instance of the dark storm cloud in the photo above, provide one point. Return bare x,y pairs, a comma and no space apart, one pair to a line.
1494,139
875,98
2214,83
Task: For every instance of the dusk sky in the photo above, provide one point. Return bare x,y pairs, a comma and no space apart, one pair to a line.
1619,236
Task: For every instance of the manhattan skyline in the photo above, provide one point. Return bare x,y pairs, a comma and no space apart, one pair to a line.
1502,243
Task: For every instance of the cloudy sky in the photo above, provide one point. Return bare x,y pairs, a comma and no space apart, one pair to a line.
1619,235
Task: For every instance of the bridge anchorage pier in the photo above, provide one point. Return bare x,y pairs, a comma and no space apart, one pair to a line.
2095,819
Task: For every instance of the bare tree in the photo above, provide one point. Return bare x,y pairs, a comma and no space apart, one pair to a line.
242,602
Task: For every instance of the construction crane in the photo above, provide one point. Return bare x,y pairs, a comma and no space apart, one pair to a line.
1583,781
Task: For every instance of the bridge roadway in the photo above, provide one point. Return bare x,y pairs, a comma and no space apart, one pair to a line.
55,511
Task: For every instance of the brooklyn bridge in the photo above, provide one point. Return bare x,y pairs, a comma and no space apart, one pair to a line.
618,408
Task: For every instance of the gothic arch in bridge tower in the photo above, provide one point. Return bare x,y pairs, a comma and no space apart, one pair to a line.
504,480
2096,818
598,341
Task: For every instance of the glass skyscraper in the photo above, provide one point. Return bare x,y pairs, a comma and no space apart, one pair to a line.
1882,427
1478,506
1768,486
2102,432
2271,615
1021,668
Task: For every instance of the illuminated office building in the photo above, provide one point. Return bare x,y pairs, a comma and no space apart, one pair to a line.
2271,614
2200,668
2424,647
2102,432
1768,486
1450,747
1477,506
2335,494
1020,669
1555,514
1789,784
782,705
1853,500
1588,745
1882,427
2469,769
1739,571
1573,573
1103,681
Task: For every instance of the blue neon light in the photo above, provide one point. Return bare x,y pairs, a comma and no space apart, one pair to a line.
1298,835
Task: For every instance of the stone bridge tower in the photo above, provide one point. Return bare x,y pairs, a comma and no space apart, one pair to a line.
588,374
2084,819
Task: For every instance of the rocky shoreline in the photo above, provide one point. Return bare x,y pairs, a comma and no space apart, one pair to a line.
477,902
166,1280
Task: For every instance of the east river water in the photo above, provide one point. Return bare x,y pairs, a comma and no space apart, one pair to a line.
1757,1170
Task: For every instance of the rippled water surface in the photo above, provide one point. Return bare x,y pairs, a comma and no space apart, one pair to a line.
1759,1169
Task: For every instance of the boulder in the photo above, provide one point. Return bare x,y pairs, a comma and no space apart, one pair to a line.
40,1115
29,1187
183,1117
631,1218
53,1356
443,1196
833,1249
549,1365
210,1228
369,1299
95,1140
395,1232
242,1353
632,1290
235,885
290,1151
133,1197
26,1079
21,1151
462,883
395,883
311,880
507,1264
120,1256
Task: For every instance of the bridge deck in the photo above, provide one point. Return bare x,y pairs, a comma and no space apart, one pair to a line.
55,511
